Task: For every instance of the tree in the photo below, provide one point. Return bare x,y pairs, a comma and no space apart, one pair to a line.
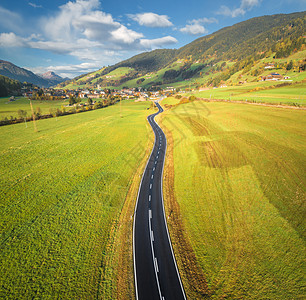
22,115
289,66
40,92
72,100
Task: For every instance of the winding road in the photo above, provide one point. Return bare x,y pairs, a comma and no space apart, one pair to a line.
155,270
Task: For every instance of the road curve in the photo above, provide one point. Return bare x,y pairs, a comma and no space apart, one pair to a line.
155,270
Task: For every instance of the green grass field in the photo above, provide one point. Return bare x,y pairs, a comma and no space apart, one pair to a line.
62,192
279,95
239,180
8,109
171,101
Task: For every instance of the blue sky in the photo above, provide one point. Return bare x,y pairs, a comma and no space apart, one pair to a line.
78,36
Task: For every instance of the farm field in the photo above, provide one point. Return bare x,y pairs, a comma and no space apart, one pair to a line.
238,177
171,101
260,92
62,193
8,109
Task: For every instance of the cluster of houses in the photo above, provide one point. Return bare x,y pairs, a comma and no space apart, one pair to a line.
272,76
127,93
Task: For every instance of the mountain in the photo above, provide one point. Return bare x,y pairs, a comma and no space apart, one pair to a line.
51,75
12,71
53,78
246,38
232,48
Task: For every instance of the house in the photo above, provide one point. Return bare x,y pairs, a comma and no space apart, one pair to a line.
272,76
269,66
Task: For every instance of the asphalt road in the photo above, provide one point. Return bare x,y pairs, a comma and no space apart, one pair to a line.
155,269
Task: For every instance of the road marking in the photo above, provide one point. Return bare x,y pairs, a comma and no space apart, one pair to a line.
155,162
150,214
152,236
153,169
149,197
157,156
150,186
156,264
152,176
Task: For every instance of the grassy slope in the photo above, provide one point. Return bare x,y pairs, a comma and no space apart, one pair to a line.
62,192
279,95
239,181
8,109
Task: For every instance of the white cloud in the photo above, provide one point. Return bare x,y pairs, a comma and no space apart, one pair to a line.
194,29
245,5
81,29
124,35
157,43
205,21
63,47
84,18
195,26
151,20
11,40
35,5
67,70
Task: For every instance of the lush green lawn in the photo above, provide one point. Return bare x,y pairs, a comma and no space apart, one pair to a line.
62,191
239,180
8,109
279,95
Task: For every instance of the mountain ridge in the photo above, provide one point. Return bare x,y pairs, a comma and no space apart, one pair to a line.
250,38
12,71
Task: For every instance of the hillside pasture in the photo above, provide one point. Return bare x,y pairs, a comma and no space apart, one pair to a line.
260,92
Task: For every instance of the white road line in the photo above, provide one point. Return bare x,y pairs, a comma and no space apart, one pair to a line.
156,264
153,258
150,186
152,176
154,169
152,236
149,197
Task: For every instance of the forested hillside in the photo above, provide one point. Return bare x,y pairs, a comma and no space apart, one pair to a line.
226,51
9,86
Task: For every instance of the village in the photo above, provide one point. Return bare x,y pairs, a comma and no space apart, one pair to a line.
83,95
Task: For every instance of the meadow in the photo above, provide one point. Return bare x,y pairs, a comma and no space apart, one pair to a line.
63,191
237,175
8,109
260,92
